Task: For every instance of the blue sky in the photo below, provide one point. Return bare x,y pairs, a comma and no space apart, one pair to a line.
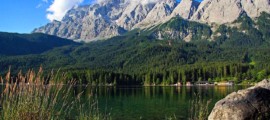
23,16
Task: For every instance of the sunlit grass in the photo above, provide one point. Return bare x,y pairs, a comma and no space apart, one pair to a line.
34,96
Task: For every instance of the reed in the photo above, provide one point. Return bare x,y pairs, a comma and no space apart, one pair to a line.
199,108
34,96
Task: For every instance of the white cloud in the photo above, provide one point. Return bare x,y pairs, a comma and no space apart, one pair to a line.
59,8
39,5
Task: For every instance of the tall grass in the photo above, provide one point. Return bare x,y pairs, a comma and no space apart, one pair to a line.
34,96
199,108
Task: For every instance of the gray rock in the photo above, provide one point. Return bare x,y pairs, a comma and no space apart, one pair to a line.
185,9
102,20
89,22
227,11
115,17
160,11
134,13
249,104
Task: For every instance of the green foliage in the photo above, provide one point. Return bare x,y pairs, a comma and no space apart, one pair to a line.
199,108
22,44
33,96
236,53
178,27
263,25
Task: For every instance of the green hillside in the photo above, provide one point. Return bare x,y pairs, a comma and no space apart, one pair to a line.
36,43
239,53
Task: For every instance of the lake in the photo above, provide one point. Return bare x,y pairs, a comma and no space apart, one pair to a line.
154,103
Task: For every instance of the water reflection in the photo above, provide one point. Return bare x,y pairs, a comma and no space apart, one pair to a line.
152,103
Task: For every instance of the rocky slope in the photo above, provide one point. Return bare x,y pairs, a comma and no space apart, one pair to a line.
227,11
88,22
160,11
101,20
185,9
116,17
134,13
179,29
250,104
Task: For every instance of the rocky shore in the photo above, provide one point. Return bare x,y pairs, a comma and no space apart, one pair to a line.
249,104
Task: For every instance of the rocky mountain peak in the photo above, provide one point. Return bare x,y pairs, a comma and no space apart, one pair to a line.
89,22
255,7
218,11
134,13
160,11
185,9
114,17
227,11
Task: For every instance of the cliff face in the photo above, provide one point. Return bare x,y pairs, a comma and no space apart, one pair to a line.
160,11
185,9
227,11
133,14
115,17
250,104
98,21
87,23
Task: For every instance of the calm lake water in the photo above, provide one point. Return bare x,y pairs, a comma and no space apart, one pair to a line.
154,103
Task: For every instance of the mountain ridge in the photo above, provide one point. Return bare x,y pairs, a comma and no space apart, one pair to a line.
116,17
227,11
12,44
238,53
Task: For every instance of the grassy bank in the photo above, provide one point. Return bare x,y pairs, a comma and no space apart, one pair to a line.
34,96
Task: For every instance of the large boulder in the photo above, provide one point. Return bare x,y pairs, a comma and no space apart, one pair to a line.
249,104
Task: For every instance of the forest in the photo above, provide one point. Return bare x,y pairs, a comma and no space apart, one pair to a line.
238,52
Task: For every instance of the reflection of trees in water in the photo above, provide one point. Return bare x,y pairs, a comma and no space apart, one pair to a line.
147,92
153,101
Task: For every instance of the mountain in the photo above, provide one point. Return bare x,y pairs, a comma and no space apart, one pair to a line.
117,17
87,22
98,21
22,44
107,19
227,11
236,53
185,9
181,29
161,10
134,13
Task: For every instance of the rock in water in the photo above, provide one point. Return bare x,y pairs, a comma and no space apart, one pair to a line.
249,104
